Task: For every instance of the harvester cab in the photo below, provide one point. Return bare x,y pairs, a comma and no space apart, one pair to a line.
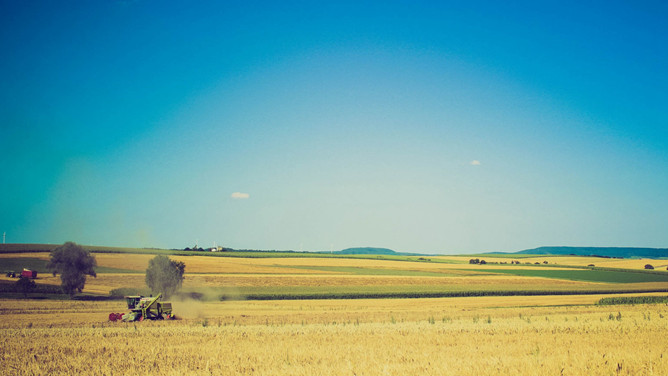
132,301
142,308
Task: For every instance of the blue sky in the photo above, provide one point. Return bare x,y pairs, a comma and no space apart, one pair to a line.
454,127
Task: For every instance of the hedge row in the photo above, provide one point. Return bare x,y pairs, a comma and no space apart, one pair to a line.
447,294
39,289
633,300
128,291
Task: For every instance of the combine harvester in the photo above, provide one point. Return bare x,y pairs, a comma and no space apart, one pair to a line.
144,308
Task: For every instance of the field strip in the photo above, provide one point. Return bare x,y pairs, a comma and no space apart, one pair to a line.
334,338
38,255
607,276
428,304
245,312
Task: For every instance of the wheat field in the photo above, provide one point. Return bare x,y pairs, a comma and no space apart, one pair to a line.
506,335
458,336
289,274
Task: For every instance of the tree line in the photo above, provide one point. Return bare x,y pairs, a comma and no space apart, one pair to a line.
74,264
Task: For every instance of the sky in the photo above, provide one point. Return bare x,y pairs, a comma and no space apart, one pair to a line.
419,126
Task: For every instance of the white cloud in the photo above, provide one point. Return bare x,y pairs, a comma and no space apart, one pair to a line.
475,163
240,196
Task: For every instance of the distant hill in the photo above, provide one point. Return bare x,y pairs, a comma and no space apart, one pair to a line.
366,251
625,252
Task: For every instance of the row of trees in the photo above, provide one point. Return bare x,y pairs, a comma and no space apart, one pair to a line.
514,262
483,262
74,263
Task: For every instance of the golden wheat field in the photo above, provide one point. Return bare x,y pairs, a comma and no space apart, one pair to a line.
485,335
450,336
299,265
287,265
105,282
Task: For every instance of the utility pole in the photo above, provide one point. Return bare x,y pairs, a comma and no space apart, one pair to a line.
4,235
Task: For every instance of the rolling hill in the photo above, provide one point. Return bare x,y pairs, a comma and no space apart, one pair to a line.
366,251
624,252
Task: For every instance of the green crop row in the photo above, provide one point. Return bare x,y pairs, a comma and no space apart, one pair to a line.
12,287
633,300
128,291
374,292
444,294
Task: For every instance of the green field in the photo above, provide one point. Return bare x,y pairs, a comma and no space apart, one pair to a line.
607,276
387,292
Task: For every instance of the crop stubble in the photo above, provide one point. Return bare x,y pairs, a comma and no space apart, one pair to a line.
466,336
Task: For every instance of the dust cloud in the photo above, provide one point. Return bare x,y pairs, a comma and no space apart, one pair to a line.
191,304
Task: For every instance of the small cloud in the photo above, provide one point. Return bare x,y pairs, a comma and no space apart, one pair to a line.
475,163
240,196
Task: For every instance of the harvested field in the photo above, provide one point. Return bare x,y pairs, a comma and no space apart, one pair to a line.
38,255
199,264
537,335
464,336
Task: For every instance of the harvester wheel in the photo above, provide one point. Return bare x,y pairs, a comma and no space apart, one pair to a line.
112,317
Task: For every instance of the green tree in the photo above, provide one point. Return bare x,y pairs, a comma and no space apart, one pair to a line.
25,285
73,263
164,275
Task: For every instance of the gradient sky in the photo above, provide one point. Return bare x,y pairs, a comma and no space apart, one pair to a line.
439,128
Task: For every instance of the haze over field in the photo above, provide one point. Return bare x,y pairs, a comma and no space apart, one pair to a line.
419,127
